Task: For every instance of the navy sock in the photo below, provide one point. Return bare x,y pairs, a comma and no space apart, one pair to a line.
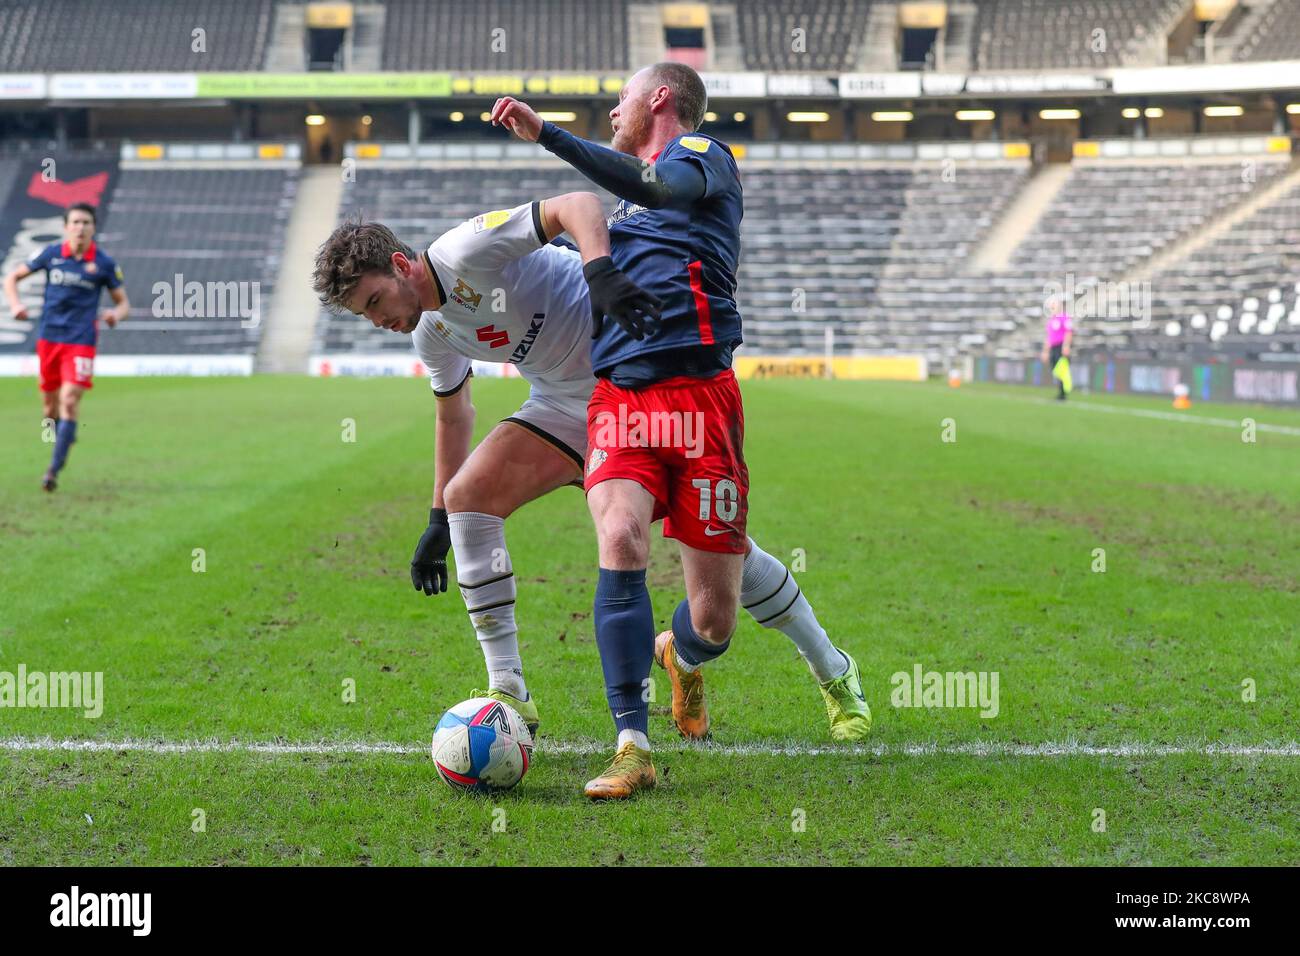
65,433
692,648
625,636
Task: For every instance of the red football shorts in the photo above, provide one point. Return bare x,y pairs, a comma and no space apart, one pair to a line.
681,440
63,362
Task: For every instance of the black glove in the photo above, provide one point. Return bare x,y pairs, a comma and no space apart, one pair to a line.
429,566
615,295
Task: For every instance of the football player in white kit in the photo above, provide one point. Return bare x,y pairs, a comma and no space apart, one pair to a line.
495,289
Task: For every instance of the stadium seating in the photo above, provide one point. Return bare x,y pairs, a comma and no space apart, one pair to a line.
207,225
813,245
926,302
558,35
86,35
1051,34
1239,294
1111,215
132,35
833,30
10,169
1275,36
853,246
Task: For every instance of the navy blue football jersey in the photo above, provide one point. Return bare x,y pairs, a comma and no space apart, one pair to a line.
687,256
73,286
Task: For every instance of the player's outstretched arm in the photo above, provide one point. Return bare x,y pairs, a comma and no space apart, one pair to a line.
652,185
613,294
16,306
451,442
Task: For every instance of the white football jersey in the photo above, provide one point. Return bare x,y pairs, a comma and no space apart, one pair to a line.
508,296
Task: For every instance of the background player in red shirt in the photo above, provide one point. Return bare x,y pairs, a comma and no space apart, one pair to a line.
76,273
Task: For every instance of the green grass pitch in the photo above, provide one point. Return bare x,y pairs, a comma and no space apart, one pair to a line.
970,555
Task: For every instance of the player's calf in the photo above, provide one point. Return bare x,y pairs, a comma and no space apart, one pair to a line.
487,583
773,598
508,469
624,622
65,433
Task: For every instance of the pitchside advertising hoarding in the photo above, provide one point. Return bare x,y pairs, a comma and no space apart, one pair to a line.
113,366
396,364
290,86
1126,81
1220,380
905,368
911,368
896,85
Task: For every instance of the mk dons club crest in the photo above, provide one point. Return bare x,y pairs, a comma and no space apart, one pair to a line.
465,295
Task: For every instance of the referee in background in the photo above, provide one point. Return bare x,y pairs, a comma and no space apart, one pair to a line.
1056,341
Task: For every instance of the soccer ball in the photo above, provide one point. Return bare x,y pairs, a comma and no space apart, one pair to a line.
482,745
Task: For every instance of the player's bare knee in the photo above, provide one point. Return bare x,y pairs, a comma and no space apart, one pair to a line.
461,495
623,542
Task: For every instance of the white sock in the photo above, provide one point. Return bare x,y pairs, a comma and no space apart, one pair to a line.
638,738
768,592
684,665
487,583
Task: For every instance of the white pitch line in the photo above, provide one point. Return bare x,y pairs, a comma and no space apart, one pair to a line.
1186,419
1067,748
1148,413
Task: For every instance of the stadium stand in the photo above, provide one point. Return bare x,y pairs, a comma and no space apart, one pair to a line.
207,225
926,303
1240,293
132,35
833,30
156,35
1109,215
1052,34
420,35
10,169
858,243
1275,35
813,245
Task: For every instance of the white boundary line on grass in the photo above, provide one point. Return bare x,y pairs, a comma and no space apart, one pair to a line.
1150,413
1186,419
1068,748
